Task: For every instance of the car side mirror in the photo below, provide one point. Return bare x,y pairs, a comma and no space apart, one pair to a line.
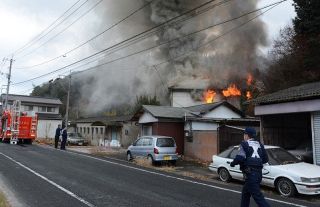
134,144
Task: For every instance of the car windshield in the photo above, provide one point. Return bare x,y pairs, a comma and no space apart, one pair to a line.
279,156
74,135
165,142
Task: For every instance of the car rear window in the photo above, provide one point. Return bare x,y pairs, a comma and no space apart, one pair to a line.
165,142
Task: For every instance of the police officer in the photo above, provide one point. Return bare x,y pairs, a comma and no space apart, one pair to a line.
251,158
56,136
64,137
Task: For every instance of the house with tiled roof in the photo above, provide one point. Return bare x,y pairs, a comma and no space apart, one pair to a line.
112,131
200,131
290,118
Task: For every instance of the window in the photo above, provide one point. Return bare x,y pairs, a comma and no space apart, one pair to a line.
165,142
80,129
50,109
88,130
101,130
28,108
96,130
42,109
139,142
234,153
146,130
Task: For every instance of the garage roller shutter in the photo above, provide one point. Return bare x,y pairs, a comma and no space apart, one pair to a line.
316,138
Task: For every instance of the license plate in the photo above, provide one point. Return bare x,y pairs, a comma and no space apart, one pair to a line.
166,157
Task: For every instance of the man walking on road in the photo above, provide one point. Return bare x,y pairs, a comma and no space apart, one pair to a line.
56,136
64,137
251,157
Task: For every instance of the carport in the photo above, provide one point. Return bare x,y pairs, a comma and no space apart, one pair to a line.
290,118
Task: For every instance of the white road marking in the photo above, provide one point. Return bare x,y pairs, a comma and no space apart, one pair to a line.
50,181
181,179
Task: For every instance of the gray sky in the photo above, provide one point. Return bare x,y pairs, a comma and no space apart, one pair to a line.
21,20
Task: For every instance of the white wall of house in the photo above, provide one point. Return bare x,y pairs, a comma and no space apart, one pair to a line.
147,118
47,128
201,126
183,99
222,112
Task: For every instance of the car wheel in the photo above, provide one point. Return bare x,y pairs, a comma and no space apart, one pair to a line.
285,187
224,175
129,156
150,160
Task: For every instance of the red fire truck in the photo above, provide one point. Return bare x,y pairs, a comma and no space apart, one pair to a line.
17,126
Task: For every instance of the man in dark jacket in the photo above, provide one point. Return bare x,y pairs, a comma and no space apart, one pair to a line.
251,157
56,136
64,137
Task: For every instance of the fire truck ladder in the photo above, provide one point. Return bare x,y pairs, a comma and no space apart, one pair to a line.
15,122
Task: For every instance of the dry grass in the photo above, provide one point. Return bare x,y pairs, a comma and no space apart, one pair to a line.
45,141
3,201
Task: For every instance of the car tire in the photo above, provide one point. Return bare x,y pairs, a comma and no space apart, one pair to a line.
224,175
129,156
285,187
150,160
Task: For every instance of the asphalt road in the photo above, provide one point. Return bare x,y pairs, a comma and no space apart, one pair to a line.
34,176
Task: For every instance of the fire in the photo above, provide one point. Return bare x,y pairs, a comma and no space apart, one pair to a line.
249,79
208,96
231,91
249,95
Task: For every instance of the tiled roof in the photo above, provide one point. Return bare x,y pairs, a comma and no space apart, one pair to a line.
32,99
105,119
48,116
302,92
167,111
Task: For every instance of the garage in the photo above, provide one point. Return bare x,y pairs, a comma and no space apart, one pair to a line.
290,118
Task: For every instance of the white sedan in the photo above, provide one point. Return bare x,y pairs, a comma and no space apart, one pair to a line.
283,171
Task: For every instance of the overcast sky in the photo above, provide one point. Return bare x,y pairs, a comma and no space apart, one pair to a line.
22,20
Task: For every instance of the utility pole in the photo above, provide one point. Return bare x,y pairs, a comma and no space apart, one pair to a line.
68,100
8,86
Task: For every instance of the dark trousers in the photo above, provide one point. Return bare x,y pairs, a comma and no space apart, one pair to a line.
252,188
56,140
63,143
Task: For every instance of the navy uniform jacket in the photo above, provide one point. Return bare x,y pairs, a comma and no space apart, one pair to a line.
64,133
251,154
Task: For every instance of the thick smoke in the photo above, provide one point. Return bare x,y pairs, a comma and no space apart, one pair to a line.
225,60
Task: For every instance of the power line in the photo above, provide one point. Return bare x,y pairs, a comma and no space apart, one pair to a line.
63,30
38,37
94,37
132,37
270,5
209,27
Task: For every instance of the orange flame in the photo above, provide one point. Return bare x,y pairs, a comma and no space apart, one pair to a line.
249,79
208,96
249,95
231,91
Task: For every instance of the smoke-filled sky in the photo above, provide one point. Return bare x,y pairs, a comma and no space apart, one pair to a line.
21,21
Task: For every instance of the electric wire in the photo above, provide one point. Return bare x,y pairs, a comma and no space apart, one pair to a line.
63,30
39,37
274,4
86,42
117,44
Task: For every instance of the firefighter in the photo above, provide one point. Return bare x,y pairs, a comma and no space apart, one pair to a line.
57,135
64,137
251,157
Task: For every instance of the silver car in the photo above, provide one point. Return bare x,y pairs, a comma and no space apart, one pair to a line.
154,148
75,138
